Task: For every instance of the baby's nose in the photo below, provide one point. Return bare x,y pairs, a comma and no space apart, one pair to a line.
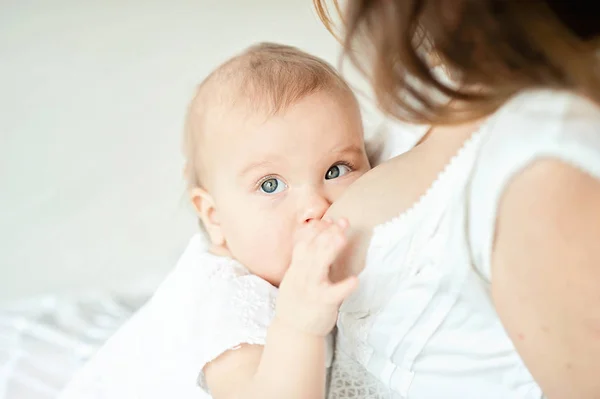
314,208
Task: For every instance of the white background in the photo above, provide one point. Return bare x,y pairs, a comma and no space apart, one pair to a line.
92,97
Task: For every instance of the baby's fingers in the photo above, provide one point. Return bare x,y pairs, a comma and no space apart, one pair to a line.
338,292
329,246
306,235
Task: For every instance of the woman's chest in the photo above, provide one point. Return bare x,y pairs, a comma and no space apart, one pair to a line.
395,189
425,237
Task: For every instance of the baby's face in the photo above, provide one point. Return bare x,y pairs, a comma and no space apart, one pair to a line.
269,178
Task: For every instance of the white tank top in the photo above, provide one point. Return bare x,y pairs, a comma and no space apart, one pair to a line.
422,324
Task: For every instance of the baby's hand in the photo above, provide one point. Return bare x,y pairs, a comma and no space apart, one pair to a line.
307,299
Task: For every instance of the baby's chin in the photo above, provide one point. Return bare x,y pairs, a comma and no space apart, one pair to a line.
274,281
273,278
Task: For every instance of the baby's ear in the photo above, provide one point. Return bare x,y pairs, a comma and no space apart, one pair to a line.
207,212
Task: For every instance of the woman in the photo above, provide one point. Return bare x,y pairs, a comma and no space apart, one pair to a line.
478,249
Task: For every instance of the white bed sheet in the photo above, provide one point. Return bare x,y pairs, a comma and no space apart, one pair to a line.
43,341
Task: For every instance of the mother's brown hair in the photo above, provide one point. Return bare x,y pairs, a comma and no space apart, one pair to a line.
494,48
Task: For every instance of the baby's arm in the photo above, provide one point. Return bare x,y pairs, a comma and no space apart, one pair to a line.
290,365
292,362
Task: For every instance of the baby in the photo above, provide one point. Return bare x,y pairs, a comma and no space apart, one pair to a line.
273,137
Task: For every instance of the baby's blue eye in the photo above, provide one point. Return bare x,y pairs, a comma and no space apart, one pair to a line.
272,185
336,171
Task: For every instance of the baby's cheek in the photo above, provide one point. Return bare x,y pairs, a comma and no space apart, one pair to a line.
272,270
269,254
283,255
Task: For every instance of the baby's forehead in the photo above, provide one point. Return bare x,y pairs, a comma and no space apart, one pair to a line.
223,107
240,143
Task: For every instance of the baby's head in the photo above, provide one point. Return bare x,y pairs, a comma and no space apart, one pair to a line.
273,137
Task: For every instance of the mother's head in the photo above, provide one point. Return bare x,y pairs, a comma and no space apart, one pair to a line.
492,49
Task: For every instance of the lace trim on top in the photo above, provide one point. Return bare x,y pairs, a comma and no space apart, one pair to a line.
436,194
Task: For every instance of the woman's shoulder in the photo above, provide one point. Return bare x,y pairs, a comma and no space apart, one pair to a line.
546,115
535,125
540,124
558,127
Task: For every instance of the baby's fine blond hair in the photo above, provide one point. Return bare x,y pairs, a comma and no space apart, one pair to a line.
266,78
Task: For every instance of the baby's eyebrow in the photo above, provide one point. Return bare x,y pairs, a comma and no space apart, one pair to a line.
350,149
254,165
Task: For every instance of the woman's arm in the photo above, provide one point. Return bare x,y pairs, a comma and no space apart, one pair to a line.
546,276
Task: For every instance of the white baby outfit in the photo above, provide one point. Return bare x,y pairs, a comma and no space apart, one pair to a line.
205,307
